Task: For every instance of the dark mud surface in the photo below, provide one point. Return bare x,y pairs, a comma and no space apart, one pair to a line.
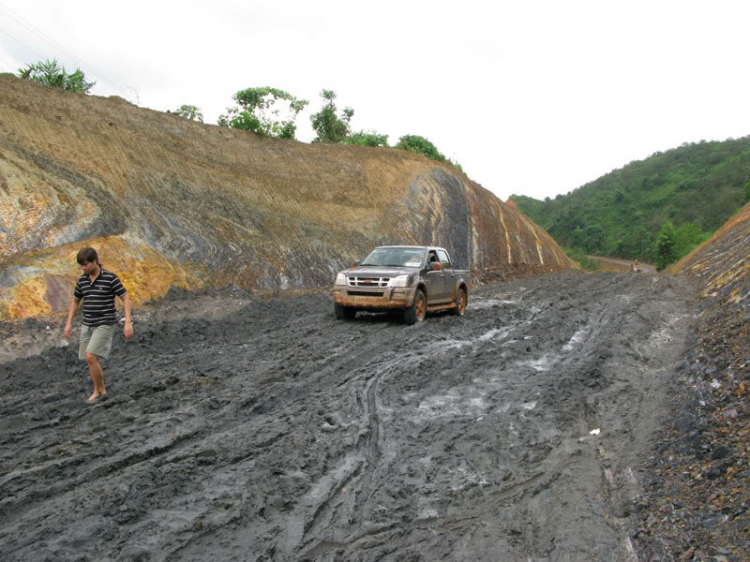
697,501
516,433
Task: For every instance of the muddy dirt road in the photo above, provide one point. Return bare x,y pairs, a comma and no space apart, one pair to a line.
278,433
616,264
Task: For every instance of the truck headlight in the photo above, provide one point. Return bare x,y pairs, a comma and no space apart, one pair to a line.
340,279
399,281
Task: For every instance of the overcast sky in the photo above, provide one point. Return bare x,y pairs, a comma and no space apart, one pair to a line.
530,97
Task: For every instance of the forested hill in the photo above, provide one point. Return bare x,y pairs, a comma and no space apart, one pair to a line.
696,187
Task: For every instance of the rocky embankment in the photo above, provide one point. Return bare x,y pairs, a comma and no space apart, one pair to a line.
697,505
171,202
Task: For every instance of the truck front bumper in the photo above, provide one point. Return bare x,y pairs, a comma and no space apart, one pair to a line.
374,299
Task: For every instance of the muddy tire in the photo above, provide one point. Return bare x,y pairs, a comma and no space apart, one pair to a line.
418,309
461,300
344,312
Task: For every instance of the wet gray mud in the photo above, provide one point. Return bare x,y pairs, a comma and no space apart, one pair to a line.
279,433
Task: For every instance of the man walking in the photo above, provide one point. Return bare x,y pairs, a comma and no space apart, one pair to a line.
97,287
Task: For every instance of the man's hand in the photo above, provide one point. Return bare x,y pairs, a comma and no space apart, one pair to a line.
68,330
128,328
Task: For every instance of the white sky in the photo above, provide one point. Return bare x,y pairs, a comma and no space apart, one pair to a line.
530,97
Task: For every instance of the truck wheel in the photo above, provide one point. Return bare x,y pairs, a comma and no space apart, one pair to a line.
461,300
418,309
344,312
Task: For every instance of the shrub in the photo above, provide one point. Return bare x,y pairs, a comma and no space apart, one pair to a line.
255,112
664,247
329,126
51,74
420,145
190,112
362,138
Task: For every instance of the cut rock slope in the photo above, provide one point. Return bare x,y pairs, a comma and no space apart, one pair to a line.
697,505
170,202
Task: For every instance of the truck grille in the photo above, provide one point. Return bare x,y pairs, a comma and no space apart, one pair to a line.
374,282
365,293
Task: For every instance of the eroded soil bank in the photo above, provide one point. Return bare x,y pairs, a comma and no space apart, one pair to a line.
278,433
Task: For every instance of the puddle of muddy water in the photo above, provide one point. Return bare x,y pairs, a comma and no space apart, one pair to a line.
484,303
451,344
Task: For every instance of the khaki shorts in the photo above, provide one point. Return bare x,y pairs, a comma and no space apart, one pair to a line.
97,341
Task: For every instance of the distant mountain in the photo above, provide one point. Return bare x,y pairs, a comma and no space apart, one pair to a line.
696,186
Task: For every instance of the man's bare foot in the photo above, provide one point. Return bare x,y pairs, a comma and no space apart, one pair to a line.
93,399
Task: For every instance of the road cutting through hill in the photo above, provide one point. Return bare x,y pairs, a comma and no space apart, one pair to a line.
276,432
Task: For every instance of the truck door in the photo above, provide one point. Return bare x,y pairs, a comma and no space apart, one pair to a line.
449,277
434,278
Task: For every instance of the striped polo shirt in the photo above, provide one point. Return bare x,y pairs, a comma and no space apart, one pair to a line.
99,297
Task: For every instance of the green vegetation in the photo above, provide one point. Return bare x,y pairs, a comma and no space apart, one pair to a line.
420,145
578,255
747,192
532,208
190,112
257,111
333,128
329,126
50,73
665,246
687,238
336,128
363,138
695,187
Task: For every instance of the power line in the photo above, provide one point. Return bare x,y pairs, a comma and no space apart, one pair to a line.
43,36
22,45
24,23
11,67
40,34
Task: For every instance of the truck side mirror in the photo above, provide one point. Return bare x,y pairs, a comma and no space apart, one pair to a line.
435,266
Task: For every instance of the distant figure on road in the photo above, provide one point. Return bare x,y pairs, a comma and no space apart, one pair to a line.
635,266
97,287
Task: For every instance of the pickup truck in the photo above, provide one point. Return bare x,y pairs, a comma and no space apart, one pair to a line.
413,279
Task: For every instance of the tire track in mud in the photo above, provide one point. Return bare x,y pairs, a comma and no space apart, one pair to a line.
368,449
513,490
324,492
282,434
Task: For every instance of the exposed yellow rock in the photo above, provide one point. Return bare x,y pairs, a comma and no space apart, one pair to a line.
47,286
722,263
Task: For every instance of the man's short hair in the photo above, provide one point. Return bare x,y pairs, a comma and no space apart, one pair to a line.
87,255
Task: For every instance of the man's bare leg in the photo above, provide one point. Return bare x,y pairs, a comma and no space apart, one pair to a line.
97,376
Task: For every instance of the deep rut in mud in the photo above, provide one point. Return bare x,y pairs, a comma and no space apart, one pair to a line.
279,433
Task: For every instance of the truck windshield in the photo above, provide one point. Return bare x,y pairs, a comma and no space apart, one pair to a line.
394,257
